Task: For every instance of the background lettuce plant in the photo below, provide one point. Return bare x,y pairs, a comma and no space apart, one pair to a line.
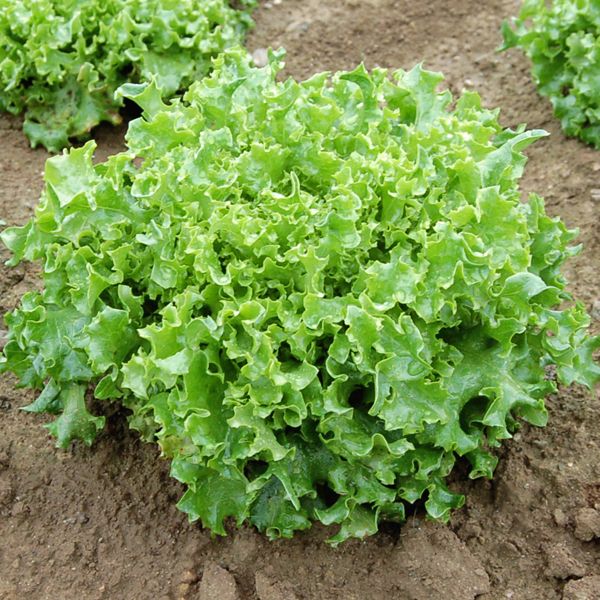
562,39
314,296
62,60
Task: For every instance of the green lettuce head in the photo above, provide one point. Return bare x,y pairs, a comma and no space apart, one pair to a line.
62,60
562,39
314,296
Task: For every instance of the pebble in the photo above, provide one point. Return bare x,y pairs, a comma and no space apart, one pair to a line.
298,26
79,518
260,57
189,577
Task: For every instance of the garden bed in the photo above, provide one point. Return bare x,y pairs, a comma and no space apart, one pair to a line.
93,524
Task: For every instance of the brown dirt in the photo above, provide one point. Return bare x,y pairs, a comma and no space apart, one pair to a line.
101,523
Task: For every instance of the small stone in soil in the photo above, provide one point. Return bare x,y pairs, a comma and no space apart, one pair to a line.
300,26
189,577
260,57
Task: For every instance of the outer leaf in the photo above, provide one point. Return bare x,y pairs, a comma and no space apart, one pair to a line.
75,422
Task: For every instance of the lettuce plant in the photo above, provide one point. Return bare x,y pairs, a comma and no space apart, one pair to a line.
314,296
562,39
61,61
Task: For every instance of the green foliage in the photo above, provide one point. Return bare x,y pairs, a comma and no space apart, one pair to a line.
62,60
314,296
562,39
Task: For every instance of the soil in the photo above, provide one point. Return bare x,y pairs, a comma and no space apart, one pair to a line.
100,523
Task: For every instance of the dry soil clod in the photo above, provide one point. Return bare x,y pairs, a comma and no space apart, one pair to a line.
217,583
587,524
587,588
